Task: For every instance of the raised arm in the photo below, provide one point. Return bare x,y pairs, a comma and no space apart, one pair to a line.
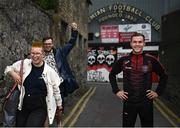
71,43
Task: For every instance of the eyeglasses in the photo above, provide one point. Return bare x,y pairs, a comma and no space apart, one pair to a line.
36,54
48,44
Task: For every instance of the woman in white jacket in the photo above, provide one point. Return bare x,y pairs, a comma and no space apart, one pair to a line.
40,94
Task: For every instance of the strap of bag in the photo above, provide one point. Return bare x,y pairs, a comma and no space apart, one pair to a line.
15,84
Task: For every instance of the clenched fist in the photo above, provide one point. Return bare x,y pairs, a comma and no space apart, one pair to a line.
74,26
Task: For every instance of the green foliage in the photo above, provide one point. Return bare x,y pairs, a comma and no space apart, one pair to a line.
47,4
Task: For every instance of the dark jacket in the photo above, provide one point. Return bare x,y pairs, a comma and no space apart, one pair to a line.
61,53
137,75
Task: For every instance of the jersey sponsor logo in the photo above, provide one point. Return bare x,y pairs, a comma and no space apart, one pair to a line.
128,67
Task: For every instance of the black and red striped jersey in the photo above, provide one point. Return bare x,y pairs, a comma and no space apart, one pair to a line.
137,75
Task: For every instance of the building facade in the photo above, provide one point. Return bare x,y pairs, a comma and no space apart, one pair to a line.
119,12
110,25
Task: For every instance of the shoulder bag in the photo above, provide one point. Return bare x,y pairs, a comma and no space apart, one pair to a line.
11,104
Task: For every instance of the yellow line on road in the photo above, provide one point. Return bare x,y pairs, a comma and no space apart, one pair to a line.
81,108
76,107
164,112
168,111
81,104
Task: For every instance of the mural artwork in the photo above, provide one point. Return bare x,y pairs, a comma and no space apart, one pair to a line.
100,61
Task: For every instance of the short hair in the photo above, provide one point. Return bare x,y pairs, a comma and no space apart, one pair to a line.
138,34
47,38
37,44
